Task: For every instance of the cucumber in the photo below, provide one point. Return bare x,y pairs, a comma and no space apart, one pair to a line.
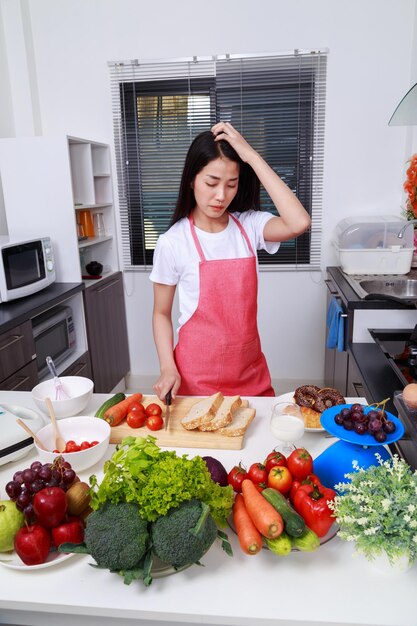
118,397
280,545
294,524
308,542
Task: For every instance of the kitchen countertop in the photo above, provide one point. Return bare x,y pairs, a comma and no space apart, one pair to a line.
329,587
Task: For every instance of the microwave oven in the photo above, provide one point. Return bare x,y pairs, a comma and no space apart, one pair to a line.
54,336
25,267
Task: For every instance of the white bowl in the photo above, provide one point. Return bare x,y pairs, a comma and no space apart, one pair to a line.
78,388
80,428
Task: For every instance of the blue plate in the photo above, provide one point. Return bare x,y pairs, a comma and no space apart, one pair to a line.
328,423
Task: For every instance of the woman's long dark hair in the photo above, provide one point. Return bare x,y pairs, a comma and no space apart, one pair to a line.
203,150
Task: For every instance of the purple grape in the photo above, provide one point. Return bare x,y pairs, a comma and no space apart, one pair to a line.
338,419
18,477
37,485
360,428
28,511
28,476
389,427
357,407
45,473
13,489
36,465
348,424
374,425
23,501
68,476
356,416
345,412
380,436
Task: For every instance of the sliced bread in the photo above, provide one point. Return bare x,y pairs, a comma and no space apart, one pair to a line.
242,417
224,415
202,411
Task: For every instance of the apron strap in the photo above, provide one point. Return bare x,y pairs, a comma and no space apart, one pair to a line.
197,242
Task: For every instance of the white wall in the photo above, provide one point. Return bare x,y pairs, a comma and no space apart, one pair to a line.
369,69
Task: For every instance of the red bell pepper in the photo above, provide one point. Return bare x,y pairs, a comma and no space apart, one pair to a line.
311,479
310,501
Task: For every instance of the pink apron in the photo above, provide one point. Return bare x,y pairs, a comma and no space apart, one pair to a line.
219,348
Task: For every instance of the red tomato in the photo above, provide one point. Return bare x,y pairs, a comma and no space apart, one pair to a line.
275,459
136,419
85,445
154,422
153,409
257,473
137,406
94,443
72,446
236,476
280,479
300,463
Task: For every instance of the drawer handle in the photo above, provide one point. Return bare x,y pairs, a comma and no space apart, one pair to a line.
19,383
108,286
80,369
329,287
10,343
359,390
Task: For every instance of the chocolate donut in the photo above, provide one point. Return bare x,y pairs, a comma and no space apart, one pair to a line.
307,395
328,397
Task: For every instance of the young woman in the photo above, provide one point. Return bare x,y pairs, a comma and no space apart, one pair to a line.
209,252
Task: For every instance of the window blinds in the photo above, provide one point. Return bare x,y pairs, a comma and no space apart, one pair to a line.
276,101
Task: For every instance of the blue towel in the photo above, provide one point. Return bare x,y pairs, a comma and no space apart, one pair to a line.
336,325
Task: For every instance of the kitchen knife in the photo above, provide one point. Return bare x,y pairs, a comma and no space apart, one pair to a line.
168,401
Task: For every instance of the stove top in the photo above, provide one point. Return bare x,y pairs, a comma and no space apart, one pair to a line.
400,349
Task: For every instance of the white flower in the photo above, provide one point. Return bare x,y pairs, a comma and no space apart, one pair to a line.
385,503
407,518
371,531
411,508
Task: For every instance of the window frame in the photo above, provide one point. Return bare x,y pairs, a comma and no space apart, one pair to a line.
158,78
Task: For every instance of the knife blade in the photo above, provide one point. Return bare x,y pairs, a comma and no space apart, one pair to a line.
168,400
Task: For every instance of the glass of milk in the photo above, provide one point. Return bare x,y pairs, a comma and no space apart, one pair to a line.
287,424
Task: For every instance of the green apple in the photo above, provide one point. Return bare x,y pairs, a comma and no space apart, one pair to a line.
11,520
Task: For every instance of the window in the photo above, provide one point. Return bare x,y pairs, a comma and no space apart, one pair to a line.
276,101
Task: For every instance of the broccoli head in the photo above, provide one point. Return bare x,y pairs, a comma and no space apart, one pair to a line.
116,536
184,534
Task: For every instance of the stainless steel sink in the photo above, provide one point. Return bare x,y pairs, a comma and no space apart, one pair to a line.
398,287
389,286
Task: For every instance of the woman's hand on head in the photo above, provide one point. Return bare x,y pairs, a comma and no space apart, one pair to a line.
168,381
224,131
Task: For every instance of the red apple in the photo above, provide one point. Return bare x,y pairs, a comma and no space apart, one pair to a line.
71,531
32,543
50,506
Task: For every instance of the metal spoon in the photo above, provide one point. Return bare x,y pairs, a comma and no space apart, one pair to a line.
59,441
32,434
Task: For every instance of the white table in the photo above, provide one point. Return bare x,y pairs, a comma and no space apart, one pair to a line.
327,587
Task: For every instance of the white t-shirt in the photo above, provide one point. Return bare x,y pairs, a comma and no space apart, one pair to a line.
176,260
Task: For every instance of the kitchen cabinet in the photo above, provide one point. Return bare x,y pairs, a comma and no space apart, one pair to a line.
18,370
107,332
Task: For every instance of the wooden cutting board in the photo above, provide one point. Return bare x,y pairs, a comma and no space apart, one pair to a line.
177,435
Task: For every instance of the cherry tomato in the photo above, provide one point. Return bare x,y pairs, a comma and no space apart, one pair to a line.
280,479
136,419
72,446
257,473
300,463
94,443
236,476
154,422
274,459
85,445
153,409
137,406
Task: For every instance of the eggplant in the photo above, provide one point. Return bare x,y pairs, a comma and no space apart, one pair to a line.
217,471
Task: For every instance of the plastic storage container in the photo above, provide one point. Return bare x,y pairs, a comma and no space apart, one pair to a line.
374,245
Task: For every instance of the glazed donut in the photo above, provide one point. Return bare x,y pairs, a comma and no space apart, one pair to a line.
328,397
307,396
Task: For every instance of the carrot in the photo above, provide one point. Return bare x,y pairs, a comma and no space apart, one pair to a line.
116,413
264,516
249,537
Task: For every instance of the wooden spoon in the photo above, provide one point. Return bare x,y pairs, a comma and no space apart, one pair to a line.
59,441
32,434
